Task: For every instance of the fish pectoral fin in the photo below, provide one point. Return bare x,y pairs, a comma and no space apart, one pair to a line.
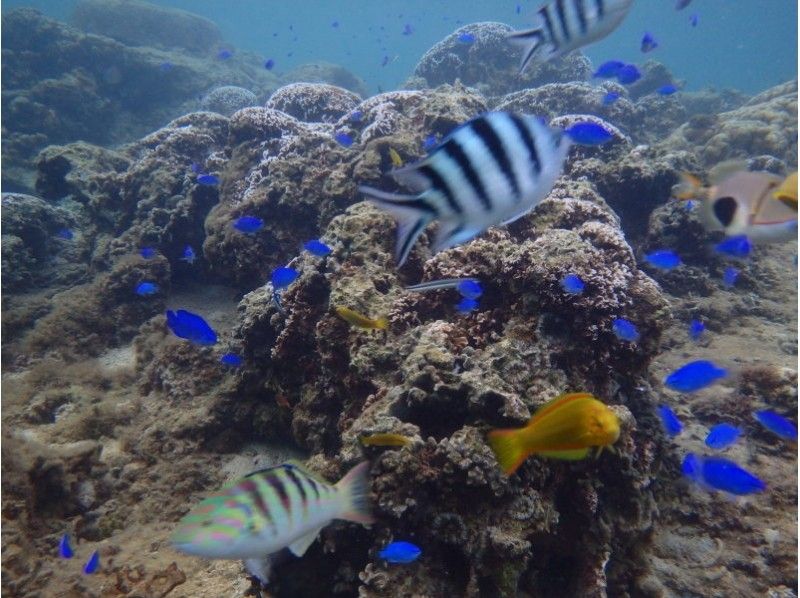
566,455
299,546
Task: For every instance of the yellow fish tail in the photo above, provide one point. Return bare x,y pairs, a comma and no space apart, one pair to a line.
381,323
689,187
509,448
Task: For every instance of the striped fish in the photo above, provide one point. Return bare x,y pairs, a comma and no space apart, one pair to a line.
566,25
491,170
269,510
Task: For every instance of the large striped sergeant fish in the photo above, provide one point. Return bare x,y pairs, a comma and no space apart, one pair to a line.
491,170
269,510
566,25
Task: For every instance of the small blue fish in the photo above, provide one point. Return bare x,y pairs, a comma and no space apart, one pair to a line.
466,38
335,24
92,564
722,436
282,277
400,553
729,276
430,142
689,205
343,139
696,329
777,424
666,90
518,10
231,360
648,43
408,29
608,70
269,64
628,74
672,425
625,330
589,133
471,289
65,234
143,289
694,20
317,247
188,255
738,246
691,467
572,284
165,67
147,252
224,54
385,60
356,116
208,180
610,98
663,259
64,549
716,473
196,168
191,327
681,4
248,224
466,305
694,376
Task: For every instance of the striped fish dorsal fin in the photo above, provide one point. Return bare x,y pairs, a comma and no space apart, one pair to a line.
558,403
306,471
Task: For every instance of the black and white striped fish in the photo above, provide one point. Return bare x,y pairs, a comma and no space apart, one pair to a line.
491,170
566,25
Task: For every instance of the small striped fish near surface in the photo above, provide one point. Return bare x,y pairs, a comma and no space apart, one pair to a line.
271,509
491,170
566,25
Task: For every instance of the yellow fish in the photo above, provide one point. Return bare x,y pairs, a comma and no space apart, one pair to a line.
787,192
361,321
387,439
397,161
565,428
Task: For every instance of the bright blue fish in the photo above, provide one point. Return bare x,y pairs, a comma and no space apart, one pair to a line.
693,20
196,168
689,205
65,234
738,246
694,376
681,4
429,142
589,133
572,284
466,38
248,224
143,289
648,43
224,54
722,436
608,70
64,549
209,180
666,90
628,74
92,564
610,98
691,467
729,276
188,255
283,277
165,67
777,424
147,252
625,330
356,116
664,259
408,29
696,329
466,305
343,139
191,327
400,553
269,64
471,289
231,359
317,248
672,425
721,474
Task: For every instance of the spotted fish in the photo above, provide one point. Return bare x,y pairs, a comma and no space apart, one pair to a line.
269,510
566,25
491,170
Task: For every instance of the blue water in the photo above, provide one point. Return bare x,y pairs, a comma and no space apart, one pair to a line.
744,44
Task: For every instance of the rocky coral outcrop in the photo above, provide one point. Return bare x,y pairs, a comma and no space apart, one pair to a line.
228,99
313,102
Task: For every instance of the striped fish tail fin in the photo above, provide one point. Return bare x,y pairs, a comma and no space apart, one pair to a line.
508,448
354,490
412,212
530,40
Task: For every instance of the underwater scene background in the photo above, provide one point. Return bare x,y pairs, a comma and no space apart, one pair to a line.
334,299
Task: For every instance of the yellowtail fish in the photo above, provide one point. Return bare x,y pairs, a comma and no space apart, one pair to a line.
387,439
565,428
360,321
269,510
787,192
397,161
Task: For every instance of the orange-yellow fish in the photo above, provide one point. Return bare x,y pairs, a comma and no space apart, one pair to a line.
387,439
397,161
359,320
565,428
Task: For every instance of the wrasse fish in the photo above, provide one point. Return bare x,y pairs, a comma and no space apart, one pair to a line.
361,321
567,25
271,509
386,439
566,427
491,170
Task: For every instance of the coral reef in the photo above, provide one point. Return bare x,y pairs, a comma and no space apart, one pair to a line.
228,99
326,72
313,102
